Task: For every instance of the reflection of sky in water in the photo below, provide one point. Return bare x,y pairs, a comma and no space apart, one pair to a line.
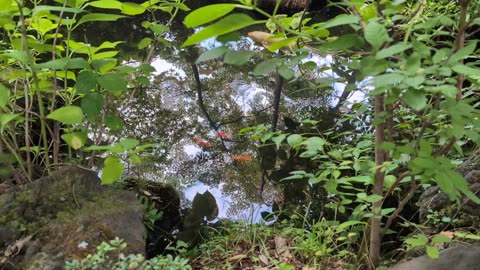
244,95
223,202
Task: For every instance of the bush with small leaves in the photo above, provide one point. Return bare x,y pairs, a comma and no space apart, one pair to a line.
109,256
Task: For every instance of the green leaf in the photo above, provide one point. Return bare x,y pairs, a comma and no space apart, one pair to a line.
92,105
284,43
314,143
207,14
420,241
54,64
415,81
212,54
447,90
226,25
6,118
129,144
68,115
98,17
114,122
440,239
350,223
340,20
237,57
294,139
466,70
233,36
432,252
145,42
286,72
265,68
376,35
388,79
392,50
130,8
75,140
374,198
365,179
21,56
416,99
463,52
113,82
77,63
440,55
106,4
279,139
344,42
387,211
4,95
86,81
112,170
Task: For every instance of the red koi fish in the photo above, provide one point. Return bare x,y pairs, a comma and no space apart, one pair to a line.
241,158
223,135
201,142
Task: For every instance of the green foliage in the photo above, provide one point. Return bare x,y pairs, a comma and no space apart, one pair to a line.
109,256
430,245
412,62
45,74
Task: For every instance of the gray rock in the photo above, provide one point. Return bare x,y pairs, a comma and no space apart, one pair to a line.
464,214
62,211
456,258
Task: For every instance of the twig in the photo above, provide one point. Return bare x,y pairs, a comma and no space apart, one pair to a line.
56,125
401,205
74,197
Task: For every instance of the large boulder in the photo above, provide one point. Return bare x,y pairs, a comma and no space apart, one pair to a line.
65,216
456,258
437,210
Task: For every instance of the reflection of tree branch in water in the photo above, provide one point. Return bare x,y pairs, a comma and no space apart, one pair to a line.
350,79
200,97
244,116
276,100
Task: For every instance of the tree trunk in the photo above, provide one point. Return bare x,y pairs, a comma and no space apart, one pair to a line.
376,222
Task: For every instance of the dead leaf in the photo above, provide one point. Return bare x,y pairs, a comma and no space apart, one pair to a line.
283,253
15,248
449,234
263,259
238,257
280,241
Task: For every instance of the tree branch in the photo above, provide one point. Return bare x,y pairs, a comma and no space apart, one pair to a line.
276,101
401,205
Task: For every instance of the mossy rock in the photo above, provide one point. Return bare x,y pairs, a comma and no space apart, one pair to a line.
68,214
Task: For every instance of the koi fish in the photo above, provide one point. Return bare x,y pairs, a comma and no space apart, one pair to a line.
201,142
241,158
223,135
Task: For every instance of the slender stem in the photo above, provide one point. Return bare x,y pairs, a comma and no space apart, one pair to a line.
375,222
56,125
31,64
12,151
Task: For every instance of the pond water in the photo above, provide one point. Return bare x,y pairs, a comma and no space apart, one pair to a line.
201,152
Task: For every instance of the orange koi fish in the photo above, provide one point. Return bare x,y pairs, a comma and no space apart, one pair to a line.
201,142
223,135
241,158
